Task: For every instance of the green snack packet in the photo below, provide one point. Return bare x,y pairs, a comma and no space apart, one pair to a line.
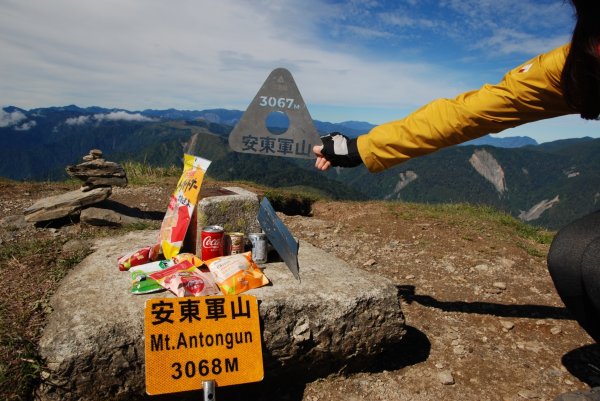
141,282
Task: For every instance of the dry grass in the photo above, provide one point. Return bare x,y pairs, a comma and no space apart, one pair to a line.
30,271
144,174
31,268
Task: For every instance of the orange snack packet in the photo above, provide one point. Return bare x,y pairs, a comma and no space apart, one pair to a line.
235,274
181,205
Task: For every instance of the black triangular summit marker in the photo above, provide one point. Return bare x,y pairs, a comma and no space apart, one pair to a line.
293,135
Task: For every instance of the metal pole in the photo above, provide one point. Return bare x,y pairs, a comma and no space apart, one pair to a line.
209,390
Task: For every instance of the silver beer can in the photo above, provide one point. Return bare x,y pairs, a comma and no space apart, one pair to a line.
259,247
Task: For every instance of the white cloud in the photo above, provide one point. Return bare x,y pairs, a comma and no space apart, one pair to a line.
26,126
112,116
121,116
197,54
15,118
10,119
508,41
367,33
405,21
534,25
80,120
526,13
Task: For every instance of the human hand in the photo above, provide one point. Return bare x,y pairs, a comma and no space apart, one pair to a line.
322,163
337,150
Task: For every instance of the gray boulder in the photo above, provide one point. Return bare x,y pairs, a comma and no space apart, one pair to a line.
66,204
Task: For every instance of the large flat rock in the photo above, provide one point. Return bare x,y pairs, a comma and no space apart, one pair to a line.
335,316
63,205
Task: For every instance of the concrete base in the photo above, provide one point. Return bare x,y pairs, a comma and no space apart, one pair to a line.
232,208
335,316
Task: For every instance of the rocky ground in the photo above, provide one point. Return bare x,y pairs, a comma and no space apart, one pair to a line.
484,320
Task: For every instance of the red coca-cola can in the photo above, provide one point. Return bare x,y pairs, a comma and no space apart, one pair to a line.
212,242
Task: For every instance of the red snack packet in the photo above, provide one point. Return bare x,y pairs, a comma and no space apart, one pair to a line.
186,280
134,258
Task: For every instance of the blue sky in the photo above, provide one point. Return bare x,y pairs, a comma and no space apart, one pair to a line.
363,60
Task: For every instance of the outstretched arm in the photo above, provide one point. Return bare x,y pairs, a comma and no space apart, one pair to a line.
528,93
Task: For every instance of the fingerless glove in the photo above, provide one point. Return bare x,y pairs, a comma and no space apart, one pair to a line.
340,150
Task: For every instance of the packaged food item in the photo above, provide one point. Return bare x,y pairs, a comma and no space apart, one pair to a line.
141,282
155,252
235,274
190,257
186,280
135,258
181,205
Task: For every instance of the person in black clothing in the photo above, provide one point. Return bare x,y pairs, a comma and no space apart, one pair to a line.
574,256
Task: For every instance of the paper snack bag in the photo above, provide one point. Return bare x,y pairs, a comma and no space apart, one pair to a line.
181,205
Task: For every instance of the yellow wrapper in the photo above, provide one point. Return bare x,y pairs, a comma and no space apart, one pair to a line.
190,257
235,274
181,205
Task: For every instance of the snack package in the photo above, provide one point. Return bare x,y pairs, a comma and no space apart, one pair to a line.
186,280
181,205
190,257
155,252
141,282
136,258
236,273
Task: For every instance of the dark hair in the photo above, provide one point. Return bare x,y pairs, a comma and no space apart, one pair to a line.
580,79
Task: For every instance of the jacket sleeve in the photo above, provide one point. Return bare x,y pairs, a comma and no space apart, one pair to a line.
528,93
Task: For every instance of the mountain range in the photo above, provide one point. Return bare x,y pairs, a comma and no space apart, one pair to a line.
548,184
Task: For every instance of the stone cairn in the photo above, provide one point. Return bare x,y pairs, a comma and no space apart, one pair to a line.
96,172
98,176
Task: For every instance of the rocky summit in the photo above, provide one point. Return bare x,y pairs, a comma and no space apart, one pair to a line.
94,340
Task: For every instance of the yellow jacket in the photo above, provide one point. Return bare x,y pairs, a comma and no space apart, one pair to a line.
528,93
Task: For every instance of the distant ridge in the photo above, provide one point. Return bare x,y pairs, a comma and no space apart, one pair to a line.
231,117
515,175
